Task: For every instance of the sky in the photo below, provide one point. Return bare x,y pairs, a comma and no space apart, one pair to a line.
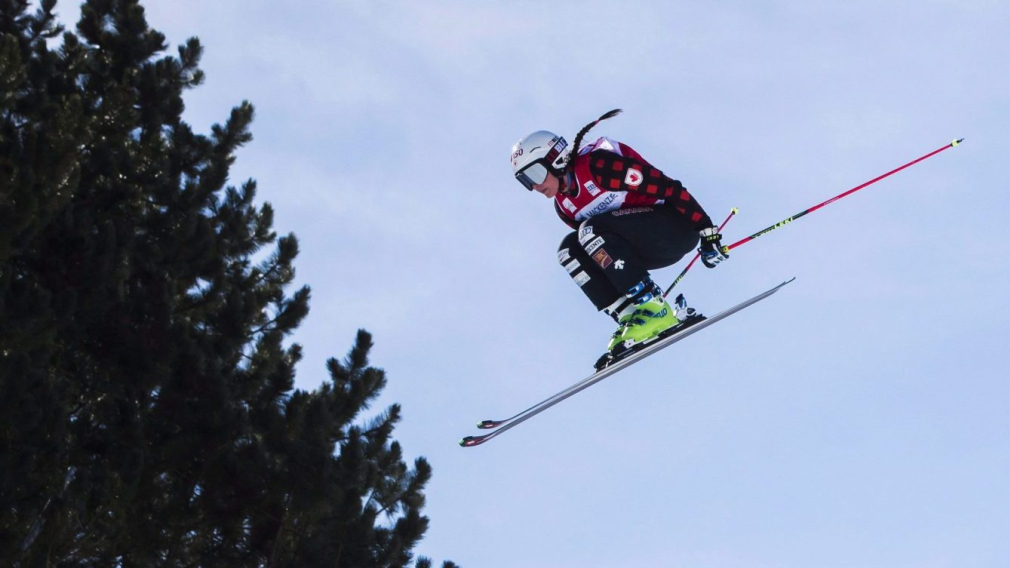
858,418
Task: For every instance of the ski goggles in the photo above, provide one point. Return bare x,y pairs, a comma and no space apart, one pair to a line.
533,174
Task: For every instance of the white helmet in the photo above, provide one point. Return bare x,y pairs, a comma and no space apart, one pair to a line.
536,155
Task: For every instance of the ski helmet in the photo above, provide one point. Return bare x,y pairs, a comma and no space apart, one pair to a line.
537,154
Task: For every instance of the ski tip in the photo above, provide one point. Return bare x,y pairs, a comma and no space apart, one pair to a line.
956,142
733,211
488,424
470,441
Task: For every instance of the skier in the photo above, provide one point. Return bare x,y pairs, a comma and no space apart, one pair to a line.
628,218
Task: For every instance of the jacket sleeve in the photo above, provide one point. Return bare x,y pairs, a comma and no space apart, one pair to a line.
567,220
624,173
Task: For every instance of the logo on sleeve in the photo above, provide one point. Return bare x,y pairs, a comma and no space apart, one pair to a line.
592,189
633,177
602,258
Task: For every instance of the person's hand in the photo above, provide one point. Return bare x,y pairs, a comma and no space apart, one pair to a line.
711,250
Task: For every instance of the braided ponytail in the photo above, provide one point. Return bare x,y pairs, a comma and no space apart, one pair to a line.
582,133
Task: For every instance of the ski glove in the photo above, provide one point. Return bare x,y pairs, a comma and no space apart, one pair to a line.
712,252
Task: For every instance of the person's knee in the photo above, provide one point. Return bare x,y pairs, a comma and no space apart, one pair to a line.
589,235
568,244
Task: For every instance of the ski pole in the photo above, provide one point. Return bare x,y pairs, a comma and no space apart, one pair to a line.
697,255
841,195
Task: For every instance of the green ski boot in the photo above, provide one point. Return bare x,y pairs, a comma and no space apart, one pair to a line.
617,338
650,319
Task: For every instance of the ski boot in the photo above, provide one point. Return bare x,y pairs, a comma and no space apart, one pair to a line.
616,338
650,319
647,321
631,310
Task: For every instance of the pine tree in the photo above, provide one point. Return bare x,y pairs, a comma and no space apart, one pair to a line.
147,410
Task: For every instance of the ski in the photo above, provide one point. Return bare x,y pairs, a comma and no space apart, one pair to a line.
613,367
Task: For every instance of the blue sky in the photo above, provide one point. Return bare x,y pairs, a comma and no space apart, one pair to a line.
856,419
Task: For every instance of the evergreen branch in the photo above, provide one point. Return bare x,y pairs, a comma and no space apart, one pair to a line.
263,328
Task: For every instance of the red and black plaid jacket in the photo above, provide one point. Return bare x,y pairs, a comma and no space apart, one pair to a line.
616,167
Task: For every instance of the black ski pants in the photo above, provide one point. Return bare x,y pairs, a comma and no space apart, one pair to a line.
612,252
